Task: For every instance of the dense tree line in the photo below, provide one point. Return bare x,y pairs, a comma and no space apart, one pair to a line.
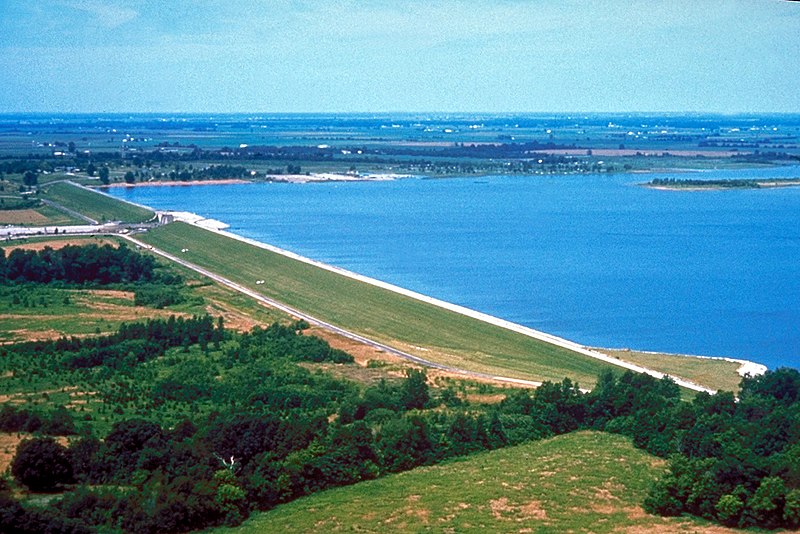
132,343
72,264
56,422
735,460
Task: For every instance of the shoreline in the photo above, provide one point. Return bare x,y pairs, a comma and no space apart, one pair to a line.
277,178
746,367
322,177
163,183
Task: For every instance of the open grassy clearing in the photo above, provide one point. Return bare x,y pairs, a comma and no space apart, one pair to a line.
579,482
22,217
33,312
95,205
720,372
419,328
30,311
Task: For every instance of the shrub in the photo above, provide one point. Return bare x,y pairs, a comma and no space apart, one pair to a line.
41,464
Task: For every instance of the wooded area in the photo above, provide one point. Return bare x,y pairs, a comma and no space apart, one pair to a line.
193,425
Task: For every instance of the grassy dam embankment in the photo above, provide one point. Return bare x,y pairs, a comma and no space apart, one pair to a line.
416,327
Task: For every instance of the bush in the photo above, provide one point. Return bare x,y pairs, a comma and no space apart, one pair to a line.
41,464
157,296
729,509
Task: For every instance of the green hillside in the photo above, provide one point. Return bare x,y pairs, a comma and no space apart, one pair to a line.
579,482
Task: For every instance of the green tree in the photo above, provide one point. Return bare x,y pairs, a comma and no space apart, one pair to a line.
414,393
766,505
729,509
91,169
230,498
41,464
103,173
30,178
129,177
791,509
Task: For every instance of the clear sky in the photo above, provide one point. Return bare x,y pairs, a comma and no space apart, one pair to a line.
399,55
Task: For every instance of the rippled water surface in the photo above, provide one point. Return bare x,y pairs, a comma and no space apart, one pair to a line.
594,259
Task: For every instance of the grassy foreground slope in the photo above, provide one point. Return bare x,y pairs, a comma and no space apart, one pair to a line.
95,205
579,482
417,327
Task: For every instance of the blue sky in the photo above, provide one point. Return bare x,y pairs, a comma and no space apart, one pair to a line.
399,55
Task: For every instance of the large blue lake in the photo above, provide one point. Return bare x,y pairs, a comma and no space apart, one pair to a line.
594,259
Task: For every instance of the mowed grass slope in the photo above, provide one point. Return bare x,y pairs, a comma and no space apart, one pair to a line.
579,482
417,327
95,205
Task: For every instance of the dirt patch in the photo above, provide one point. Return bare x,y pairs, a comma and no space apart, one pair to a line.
635,512
25,334
22,217
112,293
233,319
501,510
671,527
533,510
413,510
499,507
56,244
362,353
8,447
479,398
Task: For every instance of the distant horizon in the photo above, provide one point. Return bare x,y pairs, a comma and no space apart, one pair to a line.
394,113
399,56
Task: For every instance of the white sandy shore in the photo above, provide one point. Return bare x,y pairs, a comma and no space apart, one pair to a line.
746,367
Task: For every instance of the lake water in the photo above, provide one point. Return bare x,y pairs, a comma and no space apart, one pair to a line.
594,259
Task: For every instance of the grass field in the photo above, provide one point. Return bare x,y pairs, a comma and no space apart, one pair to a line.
95,205
30,311
579,482
723,374
41,216
419,328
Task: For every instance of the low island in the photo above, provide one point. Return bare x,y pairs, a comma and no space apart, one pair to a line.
692,184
